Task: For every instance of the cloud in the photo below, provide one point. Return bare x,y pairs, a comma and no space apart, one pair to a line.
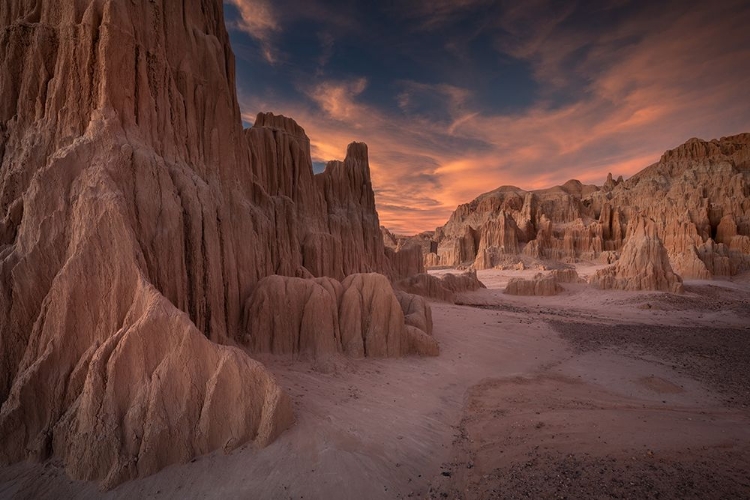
432,14
416,96
643,84
258,20
337,99
327,42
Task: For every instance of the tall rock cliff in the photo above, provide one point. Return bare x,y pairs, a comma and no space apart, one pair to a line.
136,217
698,196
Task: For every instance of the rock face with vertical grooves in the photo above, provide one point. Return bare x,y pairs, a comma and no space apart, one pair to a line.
443,288
539,285
136,217
698,194
315,318
644,264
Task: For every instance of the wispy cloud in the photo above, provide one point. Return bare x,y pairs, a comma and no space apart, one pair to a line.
327,42
415,95
337,99
432,14
257,19
645,84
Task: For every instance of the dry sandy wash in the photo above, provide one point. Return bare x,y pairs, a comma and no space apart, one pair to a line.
585,394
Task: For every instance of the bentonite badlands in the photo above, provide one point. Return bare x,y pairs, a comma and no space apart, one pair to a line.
686,216
139,223
187,310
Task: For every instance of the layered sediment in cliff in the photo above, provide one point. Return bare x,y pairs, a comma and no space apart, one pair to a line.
359,317
698,196
136,218
644,264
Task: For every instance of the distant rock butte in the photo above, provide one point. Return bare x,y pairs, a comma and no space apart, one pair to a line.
137,221
697,195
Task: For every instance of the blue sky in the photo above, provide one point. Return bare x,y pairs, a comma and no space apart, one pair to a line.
456,98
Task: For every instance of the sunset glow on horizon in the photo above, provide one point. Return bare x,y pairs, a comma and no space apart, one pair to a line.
457,98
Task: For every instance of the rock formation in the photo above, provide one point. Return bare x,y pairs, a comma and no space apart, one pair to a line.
136,217
443,288
698,195
566,276
372,321
644,264
539,285
422,240
418,321
317,317
404,262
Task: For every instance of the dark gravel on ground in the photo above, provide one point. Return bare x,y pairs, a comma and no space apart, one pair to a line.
718,357
552,475
709,298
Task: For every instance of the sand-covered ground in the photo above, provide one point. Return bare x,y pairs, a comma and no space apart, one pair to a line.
587,394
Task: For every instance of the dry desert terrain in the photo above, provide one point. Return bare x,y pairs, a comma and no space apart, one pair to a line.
586,394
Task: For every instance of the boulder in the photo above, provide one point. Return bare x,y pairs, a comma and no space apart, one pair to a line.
418,328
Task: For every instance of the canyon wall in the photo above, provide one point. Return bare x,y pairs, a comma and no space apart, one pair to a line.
136,218
697,195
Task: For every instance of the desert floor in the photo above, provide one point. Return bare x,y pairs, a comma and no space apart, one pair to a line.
588,394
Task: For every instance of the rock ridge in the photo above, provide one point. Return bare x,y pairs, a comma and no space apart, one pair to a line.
698,196
136,218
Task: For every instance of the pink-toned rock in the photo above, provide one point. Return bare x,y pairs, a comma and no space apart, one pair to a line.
318,317
418,328
698,193
136,217
372,320
566,276
643,265
404,262
443,288
431,259
293,316
539,285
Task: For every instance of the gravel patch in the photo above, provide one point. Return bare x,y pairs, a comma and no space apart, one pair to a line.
718,357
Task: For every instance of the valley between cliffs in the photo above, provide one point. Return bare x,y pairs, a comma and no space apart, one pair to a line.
188,311
580,394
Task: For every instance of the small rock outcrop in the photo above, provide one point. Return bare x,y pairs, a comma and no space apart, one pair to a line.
566,276
407,261
293,316
372,321
418,319
643,265
464,282
361,317
444,288
539,285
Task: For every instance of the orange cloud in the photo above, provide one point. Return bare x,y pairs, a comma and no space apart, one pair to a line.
640,99
258,20
337,99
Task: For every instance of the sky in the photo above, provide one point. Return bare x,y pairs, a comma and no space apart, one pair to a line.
458,97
